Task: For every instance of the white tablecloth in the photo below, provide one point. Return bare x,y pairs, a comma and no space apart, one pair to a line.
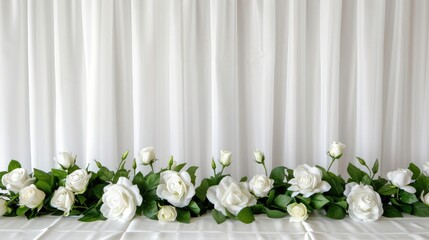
316,227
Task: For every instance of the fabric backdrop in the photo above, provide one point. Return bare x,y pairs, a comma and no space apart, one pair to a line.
193,77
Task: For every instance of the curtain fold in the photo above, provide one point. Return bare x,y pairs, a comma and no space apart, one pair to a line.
191,78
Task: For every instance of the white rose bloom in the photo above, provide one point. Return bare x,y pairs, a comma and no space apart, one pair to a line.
147,155
426,168
77,181
364,204
65,159
297,211
31,196
401,178
3,207
336,149
259,156
349,187
120,200
176,188
17,179
225,158
307,181
230,195
167,214
425,198
260,185
63,200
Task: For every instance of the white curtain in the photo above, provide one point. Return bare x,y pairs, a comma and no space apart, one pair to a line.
192,77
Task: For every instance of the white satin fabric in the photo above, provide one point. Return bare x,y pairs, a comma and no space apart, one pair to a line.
99,77
316,227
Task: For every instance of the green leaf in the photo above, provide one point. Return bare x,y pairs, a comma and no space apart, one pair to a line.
121,173
420,209
60,174
44,186
378,183
105,174
150,209
304,200
92,215
21,210
342,204
282,201
387,190
319,201
81,198
192,170
201,191
258,209
407,197
218,216
366,180
13,164
152,181
139,180
416,170
1,176
406,208
183,216
336,212
278,175
395,202
355,173
243,179
98,190
194,208
246,215
179,167
274,213
42,176
271,196
375,167
361,161
337,184
391,211
421,184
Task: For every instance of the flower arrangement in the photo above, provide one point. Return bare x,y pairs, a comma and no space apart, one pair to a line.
171,194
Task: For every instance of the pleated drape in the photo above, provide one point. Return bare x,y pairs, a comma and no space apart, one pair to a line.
192,77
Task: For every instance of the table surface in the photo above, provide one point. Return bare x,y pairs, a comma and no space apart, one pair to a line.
315,227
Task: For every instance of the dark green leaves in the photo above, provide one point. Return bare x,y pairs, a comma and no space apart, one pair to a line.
192,170
319,201
218,216
278,175
416,171
355,173
391,211
336,212
282,201
408,198
183,216
420,209
387,190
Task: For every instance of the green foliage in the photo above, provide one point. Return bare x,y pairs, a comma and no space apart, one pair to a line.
218,216
415,170
183,216
13,164
246,215
336,212
278,175
192,170
391,211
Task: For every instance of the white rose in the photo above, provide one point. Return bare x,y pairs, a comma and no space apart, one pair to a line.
307,181
147,155
425,198
401,178
65,159
260,185
259,156
120,200
3,207
364,204
17,179
63,200
31,196
77,181
176,188
225,158
297,211
349,187
167,214
336,149
230,195
426,168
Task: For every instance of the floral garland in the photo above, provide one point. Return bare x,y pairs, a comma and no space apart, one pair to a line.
171,193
